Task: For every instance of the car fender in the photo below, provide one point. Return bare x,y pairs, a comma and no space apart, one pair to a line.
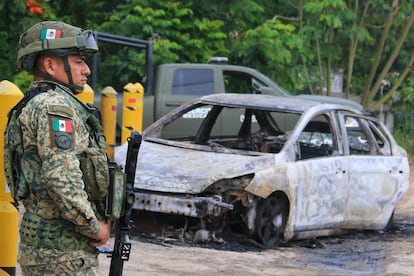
267,181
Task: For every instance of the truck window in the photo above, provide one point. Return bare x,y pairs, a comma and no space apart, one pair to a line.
239,82
193,82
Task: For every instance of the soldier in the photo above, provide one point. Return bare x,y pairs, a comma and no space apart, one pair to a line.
55,159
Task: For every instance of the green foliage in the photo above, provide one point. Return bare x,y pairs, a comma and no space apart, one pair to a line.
11,24
23,80
297,43
269,48
405,141
330,12
176,34
15,17
403,131
404,98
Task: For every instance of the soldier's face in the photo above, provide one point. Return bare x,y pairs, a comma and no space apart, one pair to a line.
78,67
80,70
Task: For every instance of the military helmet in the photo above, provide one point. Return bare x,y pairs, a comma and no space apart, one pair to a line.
53,37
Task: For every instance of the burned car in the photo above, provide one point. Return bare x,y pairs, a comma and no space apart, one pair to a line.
288,169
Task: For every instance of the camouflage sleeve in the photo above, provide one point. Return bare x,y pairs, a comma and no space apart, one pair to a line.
59,132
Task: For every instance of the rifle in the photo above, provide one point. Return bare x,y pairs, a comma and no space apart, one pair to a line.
122,246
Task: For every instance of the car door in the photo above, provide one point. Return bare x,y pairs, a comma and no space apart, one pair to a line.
375,175
321,176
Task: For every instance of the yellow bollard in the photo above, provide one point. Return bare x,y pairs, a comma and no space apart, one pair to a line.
109,109
87,95
132,109
9,223
10,95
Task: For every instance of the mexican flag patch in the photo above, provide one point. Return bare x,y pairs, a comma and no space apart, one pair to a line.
62,125
50,34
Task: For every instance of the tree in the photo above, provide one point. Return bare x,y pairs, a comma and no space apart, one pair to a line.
297,43
177,36
373,88
17,16
353,35
11,25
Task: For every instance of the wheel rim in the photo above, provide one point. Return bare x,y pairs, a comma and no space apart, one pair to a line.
270,220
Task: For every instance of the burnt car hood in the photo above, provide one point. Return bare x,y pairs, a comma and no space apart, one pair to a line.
165,168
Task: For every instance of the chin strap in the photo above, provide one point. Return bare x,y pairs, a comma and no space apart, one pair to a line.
76,89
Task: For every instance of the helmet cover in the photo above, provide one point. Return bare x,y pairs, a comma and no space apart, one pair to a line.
53,37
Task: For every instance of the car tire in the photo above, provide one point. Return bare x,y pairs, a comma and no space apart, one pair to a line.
271,218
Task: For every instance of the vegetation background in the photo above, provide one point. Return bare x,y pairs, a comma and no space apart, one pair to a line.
300,44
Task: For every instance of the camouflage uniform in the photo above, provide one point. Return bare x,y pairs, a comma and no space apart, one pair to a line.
58,211
55,160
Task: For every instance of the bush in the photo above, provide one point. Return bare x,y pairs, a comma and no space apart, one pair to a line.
404,132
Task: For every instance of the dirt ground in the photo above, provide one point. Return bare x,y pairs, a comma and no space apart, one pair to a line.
358,253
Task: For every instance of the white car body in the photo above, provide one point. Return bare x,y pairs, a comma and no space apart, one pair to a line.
319,169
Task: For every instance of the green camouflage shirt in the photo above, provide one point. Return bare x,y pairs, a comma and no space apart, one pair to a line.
53,133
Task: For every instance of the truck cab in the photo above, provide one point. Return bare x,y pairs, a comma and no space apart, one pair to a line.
178,83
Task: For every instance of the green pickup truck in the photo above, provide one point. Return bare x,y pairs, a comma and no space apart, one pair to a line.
177,83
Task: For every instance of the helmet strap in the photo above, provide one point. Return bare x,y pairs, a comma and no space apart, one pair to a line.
76,89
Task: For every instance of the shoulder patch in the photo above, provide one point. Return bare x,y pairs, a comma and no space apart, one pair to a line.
60,110
63,140
61,126
62,133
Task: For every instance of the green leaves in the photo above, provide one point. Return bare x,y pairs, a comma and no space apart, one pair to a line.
177,35
298,43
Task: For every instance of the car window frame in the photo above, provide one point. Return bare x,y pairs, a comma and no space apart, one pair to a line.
337,145
367,124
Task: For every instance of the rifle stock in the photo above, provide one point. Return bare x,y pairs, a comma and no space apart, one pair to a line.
122,246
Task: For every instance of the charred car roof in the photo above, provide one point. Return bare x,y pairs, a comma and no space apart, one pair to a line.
267,102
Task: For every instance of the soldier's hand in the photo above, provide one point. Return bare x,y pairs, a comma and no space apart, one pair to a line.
102,237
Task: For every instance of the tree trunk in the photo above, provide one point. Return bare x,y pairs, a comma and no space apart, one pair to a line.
396,85
329,64
353,47
392,58
369,92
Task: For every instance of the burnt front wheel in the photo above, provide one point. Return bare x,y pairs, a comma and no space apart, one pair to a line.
271,220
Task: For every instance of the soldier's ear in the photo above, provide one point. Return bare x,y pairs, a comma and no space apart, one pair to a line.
49,64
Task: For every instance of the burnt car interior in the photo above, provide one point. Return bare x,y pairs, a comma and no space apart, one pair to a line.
252,134
263,131
365,137
319,142
258,131
256,126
